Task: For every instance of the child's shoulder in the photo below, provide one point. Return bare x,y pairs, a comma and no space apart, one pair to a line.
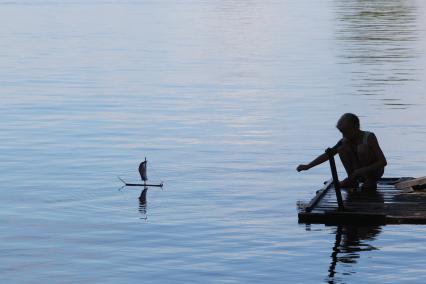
369,137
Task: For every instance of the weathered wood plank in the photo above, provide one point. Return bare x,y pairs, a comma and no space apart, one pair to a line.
410,183
320,194
387,205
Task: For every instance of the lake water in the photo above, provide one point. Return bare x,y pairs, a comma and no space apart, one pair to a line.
225,99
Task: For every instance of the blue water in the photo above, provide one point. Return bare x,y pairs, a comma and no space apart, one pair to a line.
225,99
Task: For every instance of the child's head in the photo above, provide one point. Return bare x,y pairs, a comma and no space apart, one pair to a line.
348,125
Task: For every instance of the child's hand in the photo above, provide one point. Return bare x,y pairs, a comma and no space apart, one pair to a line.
302,168
355,174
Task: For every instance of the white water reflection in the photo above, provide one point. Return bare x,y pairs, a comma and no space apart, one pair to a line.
379,46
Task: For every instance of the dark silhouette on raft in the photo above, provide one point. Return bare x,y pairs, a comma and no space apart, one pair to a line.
359,152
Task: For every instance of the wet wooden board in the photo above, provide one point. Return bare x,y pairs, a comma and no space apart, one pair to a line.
386,205
412,183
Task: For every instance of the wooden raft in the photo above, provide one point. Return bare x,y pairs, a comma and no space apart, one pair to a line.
386,205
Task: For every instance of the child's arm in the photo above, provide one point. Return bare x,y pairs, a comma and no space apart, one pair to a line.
318,160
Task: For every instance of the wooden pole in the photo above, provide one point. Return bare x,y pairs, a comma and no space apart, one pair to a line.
336,184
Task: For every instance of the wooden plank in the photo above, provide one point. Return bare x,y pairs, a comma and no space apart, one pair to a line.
342,217
387,205
410,183
320,194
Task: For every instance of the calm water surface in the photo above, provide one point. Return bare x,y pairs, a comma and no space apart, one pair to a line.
225,99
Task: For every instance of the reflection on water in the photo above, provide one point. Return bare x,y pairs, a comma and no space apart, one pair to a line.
378,44
349,242
143,203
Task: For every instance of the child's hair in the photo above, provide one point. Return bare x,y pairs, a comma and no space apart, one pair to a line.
352,118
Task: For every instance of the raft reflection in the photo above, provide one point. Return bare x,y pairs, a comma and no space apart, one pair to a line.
349,242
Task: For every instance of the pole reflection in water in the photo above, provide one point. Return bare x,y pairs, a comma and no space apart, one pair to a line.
143,203
350,241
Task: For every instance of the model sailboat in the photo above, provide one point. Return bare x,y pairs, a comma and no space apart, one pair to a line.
144,177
